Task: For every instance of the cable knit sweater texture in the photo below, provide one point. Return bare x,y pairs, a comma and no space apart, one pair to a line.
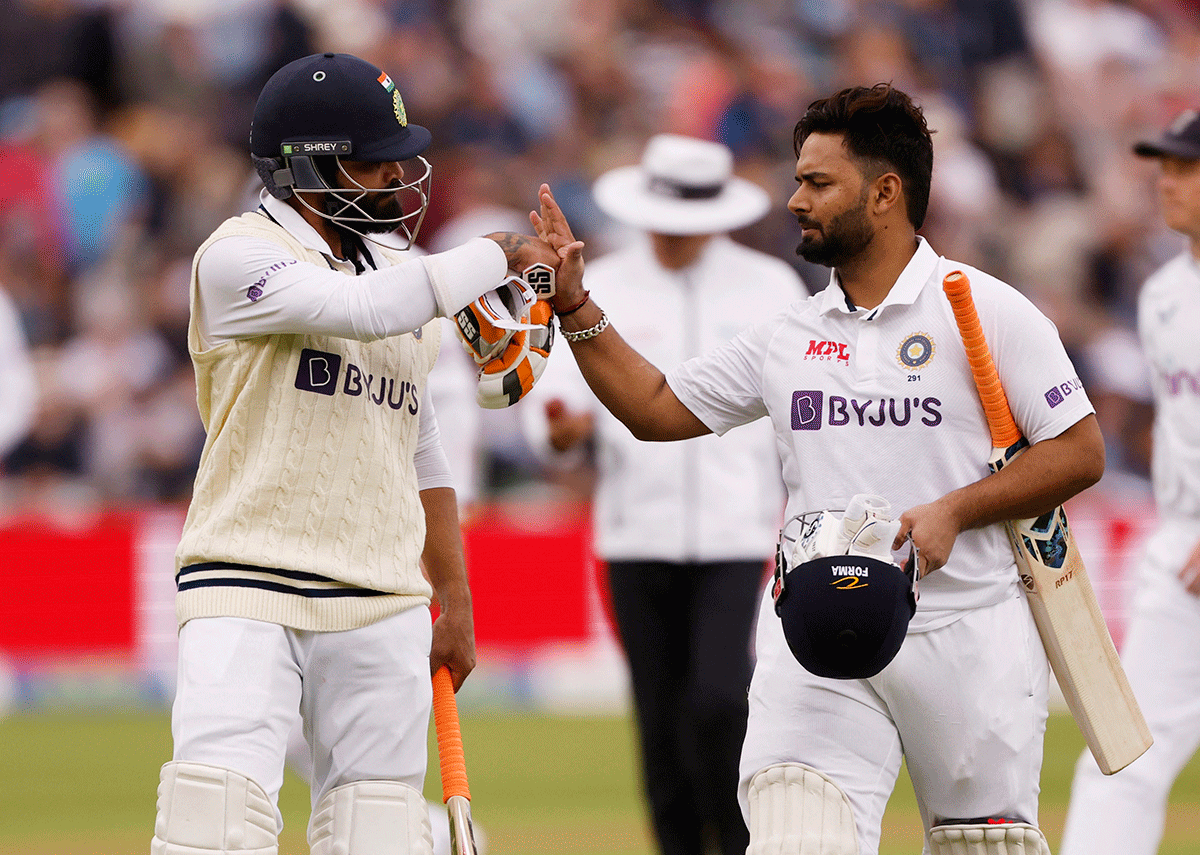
306,510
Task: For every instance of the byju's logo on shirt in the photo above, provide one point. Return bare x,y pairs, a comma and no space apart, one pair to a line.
806,410
1055,395
809,411
320,372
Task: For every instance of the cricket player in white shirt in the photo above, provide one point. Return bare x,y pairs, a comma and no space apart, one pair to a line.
1125,813
869,391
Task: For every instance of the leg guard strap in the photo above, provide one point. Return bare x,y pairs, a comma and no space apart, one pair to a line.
999,837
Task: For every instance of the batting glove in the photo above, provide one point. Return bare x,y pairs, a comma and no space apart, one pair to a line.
508,332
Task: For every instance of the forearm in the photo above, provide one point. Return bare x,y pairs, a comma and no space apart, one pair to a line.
453,642
443,557
629,386
1046,475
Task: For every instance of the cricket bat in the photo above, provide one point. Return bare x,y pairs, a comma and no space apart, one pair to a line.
455,792
1060,595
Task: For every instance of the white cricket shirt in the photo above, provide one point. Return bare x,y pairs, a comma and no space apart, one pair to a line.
882,401
1168,320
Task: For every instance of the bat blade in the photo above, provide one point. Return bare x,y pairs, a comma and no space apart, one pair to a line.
455,791
1073,632
1059,591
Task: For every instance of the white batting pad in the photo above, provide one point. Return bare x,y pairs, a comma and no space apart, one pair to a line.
795,810
1014,838
371,818
207,810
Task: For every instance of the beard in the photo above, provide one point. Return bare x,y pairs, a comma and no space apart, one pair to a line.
377,211
847,235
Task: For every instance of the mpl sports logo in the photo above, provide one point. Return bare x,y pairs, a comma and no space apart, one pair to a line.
1055,395
825,351
321,372
811,411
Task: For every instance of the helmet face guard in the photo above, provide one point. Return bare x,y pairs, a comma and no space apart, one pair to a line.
299,175
339,107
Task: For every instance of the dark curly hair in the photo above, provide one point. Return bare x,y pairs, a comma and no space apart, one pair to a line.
884,130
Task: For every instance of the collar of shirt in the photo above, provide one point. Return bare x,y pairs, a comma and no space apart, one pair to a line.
903,293
290,219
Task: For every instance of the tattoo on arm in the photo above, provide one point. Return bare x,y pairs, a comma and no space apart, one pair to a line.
510,242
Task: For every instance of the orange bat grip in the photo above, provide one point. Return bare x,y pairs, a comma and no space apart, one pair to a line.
449,737
1003,429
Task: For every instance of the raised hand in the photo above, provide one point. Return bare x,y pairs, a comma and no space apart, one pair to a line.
525,250
552,227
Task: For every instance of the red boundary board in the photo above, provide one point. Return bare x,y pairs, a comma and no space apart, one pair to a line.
67,590
529,585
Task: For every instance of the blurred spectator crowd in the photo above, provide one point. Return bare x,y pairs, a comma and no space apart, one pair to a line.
124,138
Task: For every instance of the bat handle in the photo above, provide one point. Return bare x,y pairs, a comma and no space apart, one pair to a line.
1001,426
449,737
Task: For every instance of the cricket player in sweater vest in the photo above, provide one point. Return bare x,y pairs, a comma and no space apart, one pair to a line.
323,488
880,429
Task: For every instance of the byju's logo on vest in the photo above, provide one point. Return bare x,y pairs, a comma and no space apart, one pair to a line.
320,372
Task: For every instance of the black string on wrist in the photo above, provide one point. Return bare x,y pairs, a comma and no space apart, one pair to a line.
562,313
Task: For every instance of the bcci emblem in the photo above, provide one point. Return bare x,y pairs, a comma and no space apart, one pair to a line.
915,351
397,104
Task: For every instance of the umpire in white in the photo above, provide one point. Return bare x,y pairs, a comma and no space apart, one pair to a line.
322,488
685,530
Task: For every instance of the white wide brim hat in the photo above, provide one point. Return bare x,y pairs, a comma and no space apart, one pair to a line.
683,186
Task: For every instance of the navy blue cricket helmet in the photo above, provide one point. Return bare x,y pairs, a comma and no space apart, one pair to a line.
845,616
322,109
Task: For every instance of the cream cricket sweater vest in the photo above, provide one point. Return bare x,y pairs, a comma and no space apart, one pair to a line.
305,510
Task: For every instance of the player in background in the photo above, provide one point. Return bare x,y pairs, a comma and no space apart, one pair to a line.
322,488
1125,813
18,408
18,381
685,530
867,387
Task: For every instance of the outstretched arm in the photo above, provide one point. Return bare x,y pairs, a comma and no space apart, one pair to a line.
631,388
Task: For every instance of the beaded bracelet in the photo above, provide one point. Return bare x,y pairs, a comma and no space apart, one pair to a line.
591,332
575,308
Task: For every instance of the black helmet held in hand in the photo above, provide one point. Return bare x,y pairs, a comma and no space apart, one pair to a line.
845,616
844,603
322,109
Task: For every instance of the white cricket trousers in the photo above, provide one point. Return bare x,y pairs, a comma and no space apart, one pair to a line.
364,695
1124,814
965,704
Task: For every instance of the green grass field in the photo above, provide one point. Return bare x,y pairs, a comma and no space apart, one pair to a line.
75,784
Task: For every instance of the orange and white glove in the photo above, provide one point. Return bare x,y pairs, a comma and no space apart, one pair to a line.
508,332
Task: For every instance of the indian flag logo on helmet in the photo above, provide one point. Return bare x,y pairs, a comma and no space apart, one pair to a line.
397,104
